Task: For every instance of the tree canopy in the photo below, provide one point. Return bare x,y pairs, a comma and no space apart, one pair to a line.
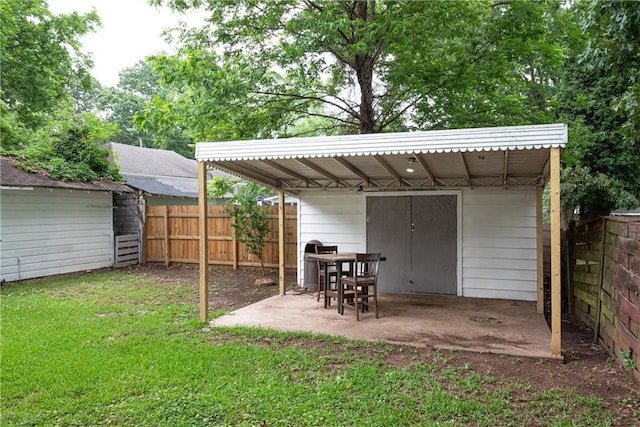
41,58
599,96
45,94
277,68
260,67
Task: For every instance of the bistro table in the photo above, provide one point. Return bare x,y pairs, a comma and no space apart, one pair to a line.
339,259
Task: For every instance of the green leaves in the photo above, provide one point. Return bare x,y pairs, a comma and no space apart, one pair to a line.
41,57
261,67
250,222
73,150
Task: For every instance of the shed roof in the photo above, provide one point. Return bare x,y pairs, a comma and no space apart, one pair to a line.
165,186
13,176
152,161
159,172
499,156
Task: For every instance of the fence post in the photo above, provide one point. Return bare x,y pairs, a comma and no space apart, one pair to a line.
235,246
603,239
570,264
166,235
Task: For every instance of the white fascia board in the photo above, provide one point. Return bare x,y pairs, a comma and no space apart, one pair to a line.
444,141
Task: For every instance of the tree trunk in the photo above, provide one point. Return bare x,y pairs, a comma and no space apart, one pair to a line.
364,72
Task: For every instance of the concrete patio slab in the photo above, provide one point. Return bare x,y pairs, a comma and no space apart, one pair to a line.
445,322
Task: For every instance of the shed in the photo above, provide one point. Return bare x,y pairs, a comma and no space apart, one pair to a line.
456,212
51,227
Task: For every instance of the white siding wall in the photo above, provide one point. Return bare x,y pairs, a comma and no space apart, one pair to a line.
332,217
499,244
498,237
52,231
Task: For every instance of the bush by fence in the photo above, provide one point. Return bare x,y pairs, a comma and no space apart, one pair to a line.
172,234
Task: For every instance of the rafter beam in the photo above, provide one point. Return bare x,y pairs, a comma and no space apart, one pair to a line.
546,170
355,170
389,169
506,167
308,163
289,172
248,171
423,164
465,167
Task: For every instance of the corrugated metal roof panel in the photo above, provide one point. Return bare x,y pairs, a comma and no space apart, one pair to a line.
443,141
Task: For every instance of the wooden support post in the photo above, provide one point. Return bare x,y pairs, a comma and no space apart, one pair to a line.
204,241
281,242
167,249
539,250
556,284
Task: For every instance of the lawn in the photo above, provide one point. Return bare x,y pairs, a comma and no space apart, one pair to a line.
114,348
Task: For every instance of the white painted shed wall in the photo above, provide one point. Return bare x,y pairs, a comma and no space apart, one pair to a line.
498,236
52,231
499,244
334,218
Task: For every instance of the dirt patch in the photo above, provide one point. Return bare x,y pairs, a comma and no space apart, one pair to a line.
228,288
588,369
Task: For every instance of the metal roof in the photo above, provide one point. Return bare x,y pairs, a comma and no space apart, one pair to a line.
500,156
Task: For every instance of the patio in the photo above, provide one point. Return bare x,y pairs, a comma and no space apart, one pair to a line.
445,322
472,197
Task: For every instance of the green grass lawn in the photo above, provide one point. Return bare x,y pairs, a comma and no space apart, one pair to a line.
119,349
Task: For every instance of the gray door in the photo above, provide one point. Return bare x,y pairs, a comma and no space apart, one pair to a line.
418,235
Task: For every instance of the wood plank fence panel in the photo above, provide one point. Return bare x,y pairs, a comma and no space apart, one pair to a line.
127,250
172,236
607,292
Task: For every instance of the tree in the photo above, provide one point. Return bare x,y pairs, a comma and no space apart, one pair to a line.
602,161
250,222
120,105
262,66
47,94
41,58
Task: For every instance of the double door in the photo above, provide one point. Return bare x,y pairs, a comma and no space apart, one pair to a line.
418,236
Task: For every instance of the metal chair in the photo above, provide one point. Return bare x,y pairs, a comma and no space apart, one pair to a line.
362,286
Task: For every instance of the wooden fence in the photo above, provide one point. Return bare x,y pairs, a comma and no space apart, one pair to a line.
172,233
605,257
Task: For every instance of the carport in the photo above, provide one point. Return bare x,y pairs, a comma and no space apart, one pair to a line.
490,179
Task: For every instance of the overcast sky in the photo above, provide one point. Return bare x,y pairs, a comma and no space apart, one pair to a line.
131,30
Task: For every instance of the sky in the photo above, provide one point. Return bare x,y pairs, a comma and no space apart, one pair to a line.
131,30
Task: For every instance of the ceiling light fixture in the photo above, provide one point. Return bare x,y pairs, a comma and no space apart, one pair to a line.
410,168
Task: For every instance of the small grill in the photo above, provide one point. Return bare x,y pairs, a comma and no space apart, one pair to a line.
310,266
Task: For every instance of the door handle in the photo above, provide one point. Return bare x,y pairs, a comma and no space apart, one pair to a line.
413,227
